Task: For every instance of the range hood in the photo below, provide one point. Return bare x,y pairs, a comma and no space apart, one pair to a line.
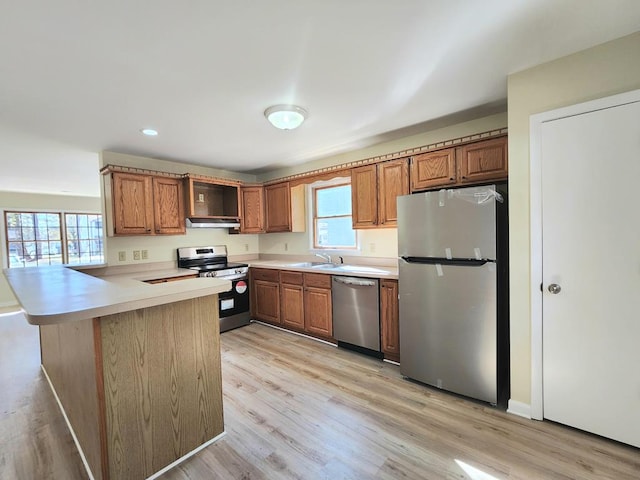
202,222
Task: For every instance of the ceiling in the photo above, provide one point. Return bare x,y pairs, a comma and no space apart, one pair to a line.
78,77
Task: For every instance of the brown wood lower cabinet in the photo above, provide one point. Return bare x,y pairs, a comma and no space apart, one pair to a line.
317,304
266,304
298,301
292,299
389,319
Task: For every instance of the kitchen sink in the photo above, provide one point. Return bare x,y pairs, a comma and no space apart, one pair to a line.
307,264
348,268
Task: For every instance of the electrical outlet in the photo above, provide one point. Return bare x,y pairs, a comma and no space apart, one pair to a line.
145,254
246,247
372,247
122,256
286,247
136,254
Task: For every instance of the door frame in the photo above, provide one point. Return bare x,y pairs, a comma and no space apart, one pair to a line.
535,227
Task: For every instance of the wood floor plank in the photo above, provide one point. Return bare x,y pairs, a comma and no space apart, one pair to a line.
299,409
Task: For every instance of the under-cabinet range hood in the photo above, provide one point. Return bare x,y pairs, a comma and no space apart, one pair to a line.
200,222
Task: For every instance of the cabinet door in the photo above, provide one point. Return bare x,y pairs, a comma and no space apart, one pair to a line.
433,169
393,181
483,161
364,197
278,207
389,319
168,202
252,216
292,306
132,204
267,301
317,311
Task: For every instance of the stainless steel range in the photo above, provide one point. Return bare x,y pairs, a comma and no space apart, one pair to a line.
233,305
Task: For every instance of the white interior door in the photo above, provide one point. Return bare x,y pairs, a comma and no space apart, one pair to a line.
591,251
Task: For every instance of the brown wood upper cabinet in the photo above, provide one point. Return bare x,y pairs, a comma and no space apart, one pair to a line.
374,189
284,208
472,163
433,169
138,204
252,209
213,198
484,161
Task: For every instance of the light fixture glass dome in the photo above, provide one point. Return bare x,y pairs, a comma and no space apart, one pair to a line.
285,117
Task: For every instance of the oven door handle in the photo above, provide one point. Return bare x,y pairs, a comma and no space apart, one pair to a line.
239,276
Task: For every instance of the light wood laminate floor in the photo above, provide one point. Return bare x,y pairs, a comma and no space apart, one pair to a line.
298,409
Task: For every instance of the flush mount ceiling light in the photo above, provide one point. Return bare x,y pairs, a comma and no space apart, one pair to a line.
286,117
149,132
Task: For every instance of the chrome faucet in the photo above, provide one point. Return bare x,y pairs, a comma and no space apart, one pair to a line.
325,256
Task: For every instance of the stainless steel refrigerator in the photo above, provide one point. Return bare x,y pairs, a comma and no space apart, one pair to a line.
453,282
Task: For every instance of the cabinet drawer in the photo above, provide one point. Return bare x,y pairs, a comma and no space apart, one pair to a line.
319,280
265,274
292,278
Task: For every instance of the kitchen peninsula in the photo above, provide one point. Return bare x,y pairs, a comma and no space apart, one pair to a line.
135,366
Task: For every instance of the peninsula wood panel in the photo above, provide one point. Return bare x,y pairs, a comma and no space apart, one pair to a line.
69,358
162,382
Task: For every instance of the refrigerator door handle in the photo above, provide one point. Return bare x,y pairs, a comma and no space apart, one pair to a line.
469,262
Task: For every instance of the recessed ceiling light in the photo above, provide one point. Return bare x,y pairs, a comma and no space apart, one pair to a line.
150,132
286,117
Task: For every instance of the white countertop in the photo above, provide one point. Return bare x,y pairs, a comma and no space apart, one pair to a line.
56,294
368,271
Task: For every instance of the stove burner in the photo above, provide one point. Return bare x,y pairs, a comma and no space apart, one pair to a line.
211,262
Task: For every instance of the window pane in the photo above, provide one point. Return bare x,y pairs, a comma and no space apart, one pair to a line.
84,238
335,232
334,201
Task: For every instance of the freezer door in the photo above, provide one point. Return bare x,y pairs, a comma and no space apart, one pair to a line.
458,223
448,327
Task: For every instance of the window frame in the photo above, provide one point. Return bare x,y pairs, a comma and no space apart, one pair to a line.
4,234
313,189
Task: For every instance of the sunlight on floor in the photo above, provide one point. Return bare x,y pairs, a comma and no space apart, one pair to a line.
474,473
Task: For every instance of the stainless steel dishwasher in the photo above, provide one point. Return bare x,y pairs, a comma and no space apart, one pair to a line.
356,313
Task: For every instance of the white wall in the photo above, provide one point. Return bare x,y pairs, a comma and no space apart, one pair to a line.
607,69
41,203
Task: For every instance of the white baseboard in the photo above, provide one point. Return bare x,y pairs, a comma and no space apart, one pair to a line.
519,408
66,419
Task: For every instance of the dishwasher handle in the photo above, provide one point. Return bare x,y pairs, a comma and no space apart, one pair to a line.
360,282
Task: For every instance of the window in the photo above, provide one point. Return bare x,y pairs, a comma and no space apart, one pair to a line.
84,238
43,238
332,227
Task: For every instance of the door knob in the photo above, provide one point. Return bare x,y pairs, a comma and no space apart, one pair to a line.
554,288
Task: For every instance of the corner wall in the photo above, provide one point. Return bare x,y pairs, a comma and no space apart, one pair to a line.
600,71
